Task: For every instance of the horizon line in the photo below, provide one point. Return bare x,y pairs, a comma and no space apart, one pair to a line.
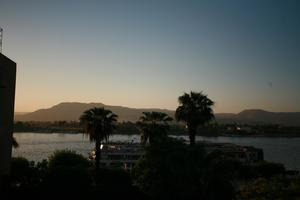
257,109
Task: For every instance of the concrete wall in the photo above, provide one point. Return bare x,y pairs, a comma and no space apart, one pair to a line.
7,99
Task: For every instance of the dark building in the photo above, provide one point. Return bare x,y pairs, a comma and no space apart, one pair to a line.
7,99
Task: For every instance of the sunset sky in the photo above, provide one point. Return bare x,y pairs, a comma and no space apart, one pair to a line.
242,53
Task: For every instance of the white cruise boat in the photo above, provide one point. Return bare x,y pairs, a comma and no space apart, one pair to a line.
119,154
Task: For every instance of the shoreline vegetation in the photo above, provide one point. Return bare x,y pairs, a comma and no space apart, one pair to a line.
169,168
130,128
206,176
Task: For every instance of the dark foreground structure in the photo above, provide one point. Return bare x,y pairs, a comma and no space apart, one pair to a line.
7,98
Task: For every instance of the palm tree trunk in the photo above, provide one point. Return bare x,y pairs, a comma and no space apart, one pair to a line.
192,134
98,154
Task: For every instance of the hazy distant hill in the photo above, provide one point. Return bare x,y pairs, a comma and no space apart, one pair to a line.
71,112
262,116
287,118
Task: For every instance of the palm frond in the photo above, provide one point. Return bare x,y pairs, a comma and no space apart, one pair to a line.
195,107
153,126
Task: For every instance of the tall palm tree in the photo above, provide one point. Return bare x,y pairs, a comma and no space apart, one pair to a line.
195,109
99,125
154,126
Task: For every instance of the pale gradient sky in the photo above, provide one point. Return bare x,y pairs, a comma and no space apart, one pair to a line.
242,53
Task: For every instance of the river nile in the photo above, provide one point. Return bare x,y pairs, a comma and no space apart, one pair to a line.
38,146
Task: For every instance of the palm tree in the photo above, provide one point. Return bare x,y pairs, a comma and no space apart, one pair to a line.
99,124
154,126
195,109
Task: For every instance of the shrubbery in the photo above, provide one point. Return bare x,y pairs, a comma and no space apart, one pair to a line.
179,171
25,175
274,188
170,169
67,173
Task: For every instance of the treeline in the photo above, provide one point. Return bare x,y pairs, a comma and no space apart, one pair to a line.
131,128
126,128
48,127
259,129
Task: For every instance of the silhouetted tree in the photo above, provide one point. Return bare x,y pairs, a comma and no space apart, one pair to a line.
68,172
154,126
172,170
195,109
99,124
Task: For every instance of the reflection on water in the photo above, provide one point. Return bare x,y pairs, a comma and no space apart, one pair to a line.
38,146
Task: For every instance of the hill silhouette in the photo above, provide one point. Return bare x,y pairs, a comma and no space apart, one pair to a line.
70,111
258,116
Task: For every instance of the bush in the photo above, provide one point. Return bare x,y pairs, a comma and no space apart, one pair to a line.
268,169
274,188
174,170
67,158
170,171
68,172
219,175
24,174
116,182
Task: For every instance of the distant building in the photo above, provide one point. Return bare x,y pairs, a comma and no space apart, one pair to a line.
7,99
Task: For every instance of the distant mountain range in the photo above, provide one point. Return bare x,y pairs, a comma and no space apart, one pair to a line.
71,111
258,116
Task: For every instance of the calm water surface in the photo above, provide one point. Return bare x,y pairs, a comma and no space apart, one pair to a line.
38,146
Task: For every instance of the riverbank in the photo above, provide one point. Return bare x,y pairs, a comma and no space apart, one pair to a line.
129,128
184,133
37,146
